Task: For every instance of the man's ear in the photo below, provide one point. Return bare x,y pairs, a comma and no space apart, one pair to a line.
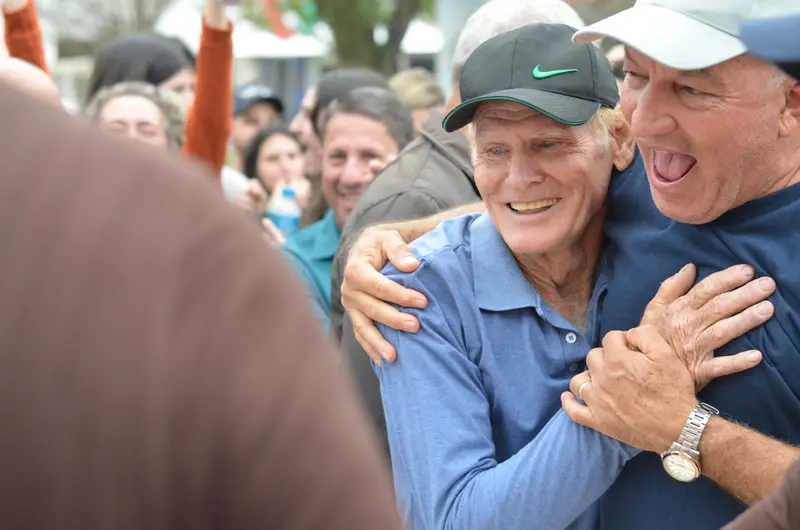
790,116
622,143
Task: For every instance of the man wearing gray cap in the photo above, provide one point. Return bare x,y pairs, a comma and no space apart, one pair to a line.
718,133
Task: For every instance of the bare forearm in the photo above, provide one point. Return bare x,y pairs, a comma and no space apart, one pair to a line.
745,463
411,230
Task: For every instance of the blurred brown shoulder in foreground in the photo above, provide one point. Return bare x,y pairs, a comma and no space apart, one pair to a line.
158,366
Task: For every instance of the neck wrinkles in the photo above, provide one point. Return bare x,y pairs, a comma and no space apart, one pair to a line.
566,278
789,178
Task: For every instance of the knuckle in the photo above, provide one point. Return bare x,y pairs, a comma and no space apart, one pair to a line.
718,309
593,358
614,336
707,288
391,239
646,329
373,313
350,272
359,327
377,288
719,334
681,324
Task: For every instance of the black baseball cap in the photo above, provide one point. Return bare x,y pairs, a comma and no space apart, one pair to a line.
540,67
245,96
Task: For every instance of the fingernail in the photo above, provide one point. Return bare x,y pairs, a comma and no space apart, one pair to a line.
684,269
753,356
420,303
409,260
378,362
764,308
766,284
409,326
747,271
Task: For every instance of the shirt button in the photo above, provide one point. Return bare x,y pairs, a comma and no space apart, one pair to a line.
571,338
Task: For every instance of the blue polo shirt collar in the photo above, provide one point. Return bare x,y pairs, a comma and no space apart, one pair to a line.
499,282
327,240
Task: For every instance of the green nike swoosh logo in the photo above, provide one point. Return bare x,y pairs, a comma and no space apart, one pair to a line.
538,74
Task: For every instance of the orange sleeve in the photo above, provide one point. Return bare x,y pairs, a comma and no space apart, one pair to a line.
24,35
209,122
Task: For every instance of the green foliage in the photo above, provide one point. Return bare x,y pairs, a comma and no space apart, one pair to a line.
352,23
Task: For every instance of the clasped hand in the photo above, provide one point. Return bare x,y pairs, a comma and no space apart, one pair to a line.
641,384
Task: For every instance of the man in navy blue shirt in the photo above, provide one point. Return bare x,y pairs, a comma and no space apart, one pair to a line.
719,136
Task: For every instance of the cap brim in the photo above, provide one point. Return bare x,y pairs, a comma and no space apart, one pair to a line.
776,40
249,103
667,37
563,109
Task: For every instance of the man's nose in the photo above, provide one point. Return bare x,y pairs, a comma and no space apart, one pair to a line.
355,173
651,115
525,170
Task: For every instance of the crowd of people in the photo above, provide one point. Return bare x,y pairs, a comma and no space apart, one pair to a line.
563,295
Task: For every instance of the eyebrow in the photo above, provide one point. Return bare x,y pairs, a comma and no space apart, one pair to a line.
703,73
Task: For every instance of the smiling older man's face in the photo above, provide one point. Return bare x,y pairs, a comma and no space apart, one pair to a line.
543,182
711,139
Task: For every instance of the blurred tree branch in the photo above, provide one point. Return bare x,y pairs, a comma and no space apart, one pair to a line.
102,20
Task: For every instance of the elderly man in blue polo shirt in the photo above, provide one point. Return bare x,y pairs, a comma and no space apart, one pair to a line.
719,137
472,406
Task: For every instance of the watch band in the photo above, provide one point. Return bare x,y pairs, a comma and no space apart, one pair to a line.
695,425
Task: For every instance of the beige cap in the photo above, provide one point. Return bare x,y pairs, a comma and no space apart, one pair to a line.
417,89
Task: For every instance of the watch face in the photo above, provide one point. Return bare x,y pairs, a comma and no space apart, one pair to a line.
681,467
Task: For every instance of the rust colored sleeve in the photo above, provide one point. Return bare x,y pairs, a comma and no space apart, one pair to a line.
24,35
209,122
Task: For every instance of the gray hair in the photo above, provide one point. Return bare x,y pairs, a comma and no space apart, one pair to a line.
501,16
167,103
378,104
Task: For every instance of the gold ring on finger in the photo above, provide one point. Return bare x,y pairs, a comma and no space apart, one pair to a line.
580,389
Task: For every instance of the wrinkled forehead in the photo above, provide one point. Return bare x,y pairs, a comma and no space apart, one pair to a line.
497,117
741,70
131,108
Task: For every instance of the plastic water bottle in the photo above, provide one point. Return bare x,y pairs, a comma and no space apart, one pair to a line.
284,212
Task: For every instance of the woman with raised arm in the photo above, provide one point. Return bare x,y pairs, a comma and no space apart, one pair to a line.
156,60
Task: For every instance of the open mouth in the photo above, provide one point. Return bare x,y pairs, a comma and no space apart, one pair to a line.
527,208
672,167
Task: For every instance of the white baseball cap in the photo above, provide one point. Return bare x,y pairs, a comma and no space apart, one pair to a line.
685,34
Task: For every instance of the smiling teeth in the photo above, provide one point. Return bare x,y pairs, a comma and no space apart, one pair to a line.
528,206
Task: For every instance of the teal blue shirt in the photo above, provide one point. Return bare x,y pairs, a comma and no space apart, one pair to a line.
310,252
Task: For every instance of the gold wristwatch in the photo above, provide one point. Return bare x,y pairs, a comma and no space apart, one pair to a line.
682,460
